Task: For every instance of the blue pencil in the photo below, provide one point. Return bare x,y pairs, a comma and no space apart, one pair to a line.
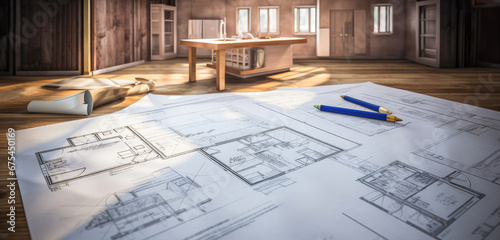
358,113
366,105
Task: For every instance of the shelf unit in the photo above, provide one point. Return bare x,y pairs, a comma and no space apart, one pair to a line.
436,33
276,59
163,32
428,33
169,26
239,58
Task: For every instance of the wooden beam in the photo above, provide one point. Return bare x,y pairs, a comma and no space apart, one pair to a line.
93,54
192,63
87,38
220,69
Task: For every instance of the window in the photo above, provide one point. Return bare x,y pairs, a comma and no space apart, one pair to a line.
243,20
382,19
268,20
305,20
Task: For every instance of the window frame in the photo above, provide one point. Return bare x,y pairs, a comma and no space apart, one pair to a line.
310,22
389,18
268,22
238,19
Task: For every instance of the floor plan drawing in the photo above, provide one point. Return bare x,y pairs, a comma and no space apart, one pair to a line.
418,198
265,165
162,202
260,157
112,150
485,164
436,112
159,138
488,225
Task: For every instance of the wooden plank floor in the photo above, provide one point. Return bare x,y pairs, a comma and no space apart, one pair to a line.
476,86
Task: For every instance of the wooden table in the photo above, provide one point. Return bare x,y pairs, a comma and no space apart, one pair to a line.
220,46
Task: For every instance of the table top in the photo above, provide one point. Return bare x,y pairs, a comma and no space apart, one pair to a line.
230,43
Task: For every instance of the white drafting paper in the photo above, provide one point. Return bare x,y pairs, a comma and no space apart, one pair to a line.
78,104
89,83
266,165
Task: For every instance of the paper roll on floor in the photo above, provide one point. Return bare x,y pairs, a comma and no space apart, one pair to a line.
78,104
83,103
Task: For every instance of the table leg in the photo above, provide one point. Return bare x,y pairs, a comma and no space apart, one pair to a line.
192,63
220,69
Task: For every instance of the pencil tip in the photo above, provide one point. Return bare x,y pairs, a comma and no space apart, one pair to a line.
398,119
389,112
342,96
317,106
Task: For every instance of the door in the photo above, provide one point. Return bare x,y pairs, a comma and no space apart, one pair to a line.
341,33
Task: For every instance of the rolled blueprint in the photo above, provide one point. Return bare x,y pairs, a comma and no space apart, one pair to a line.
84,102
78,104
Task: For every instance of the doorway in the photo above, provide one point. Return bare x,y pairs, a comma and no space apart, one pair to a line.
341,33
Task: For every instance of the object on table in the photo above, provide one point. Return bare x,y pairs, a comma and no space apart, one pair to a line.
246,36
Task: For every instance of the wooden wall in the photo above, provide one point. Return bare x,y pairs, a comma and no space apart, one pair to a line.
120,32
411,29
488,50
7,27
48,36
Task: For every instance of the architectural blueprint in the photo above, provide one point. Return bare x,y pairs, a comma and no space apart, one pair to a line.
266,165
